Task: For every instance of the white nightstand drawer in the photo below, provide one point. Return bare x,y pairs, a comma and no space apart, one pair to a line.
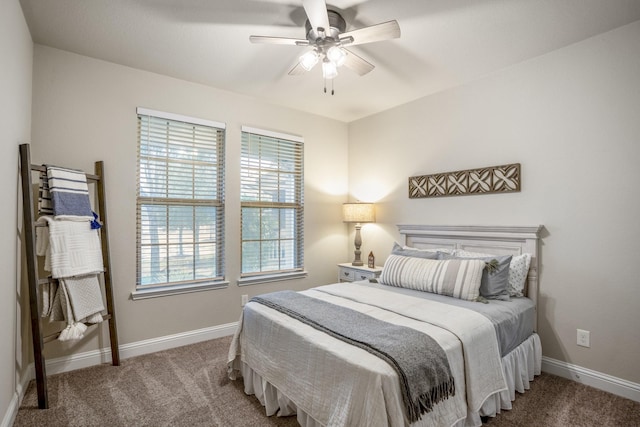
346,275
350,273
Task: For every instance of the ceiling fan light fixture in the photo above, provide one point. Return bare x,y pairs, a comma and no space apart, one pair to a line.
327,37
329,69
337,55
309,60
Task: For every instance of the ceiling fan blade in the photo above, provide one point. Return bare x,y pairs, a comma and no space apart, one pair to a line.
373,33
316,11
278,40
357,64
297,70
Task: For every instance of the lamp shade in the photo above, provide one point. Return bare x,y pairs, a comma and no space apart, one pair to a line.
358,212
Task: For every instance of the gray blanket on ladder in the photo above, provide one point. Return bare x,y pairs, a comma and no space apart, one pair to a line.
421,364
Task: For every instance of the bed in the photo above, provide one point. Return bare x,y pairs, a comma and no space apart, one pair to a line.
491,349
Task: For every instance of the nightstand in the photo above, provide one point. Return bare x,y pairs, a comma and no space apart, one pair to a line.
351,273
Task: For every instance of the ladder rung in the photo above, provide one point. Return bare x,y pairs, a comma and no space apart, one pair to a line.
52,279
55,335
42,168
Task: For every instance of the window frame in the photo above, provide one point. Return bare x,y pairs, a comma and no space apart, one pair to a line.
144,291
298,271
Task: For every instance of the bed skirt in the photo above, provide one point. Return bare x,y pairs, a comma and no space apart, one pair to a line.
519,367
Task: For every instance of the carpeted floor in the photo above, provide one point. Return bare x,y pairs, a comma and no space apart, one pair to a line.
188,386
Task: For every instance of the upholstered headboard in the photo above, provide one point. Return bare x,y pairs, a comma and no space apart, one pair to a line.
498,240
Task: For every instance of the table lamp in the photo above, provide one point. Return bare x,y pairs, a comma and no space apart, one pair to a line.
358,213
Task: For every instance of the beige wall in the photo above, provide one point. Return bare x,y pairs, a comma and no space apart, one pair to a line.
572,119
85,110
16,49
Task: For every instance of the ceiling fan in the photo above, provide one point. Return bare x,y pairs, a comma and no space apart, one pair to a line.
325,32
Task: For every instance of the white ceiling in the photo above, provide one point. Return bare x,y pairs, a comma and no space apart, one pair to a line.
444,43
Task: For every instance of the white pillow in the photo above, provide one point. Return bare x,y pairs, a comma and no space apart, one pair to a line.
458,278
518,269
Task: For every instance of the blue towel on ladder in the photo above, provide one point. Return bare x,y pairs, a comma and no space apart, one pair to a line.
69,194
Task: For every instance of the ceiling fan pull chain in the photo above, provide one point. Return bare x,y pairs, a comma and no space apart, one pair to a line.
332,86
325,85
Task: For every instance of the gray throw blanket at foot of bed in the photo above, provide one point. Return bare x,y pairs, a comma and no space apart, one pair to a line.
421,364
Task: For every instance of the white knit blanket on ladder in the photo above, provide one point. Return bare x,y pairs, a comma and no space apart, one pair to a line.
73,249
73,254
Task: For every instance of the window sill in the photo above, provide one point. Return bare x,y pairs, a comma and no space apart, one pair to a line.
163,291
255,280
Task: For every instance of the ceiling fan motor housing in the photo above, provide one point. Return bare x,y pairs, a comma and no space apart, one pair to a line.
337,26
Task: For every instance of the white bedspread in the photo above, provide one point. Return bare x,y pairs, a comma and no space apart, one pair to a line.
341,385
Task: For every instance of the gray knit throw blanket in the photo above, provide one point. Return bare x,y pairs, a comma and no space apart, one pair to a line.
421,364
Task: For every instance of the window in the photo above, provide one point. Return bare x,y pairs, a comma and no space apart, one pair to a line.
180,204
271,198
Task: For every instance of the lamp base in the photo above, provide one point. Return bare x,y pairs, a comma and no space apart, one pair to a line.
358,242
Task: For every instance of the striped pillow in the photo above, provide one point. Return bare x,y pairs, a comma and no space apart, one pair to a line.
458,278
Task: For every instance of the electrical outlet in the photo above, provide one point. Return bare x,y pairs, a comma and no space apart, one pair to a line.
584,338
245,299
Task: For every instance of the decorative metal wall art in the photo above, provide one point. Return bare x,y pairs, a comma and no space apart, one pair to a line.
492,179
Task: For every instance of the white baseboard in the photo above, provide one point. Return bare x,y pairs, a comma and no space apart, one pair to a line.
608,383
96,357
12,411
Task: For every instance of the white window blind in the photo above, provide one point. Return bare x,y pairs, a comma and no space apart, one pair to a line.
180,200
271,197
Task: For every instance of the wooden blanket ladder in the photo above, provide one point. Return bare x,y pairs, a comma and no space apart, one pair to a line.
26,169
